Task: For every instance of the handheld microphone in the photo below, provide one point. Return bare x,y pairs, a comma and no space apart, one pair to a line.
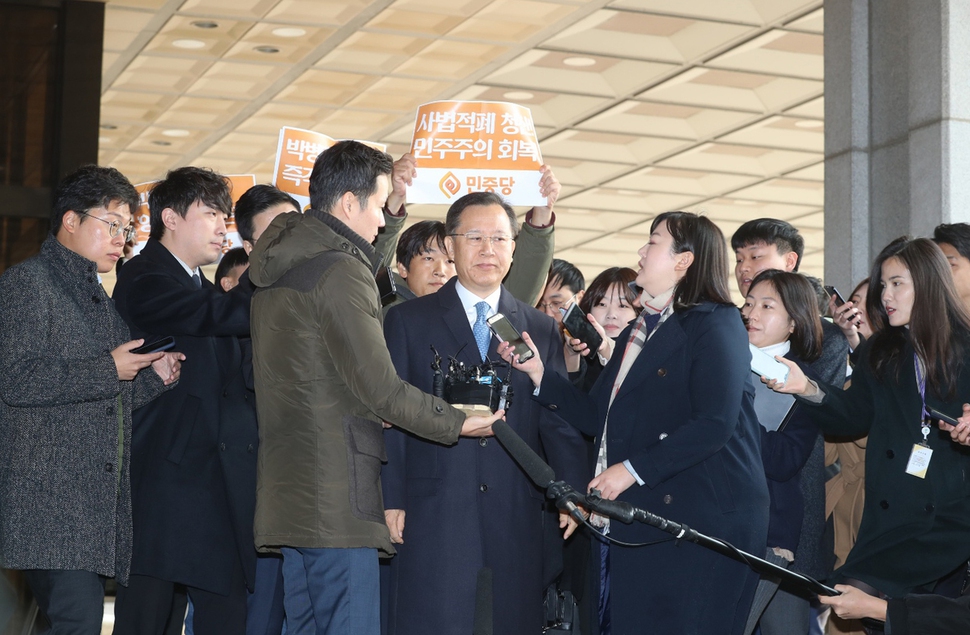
538,470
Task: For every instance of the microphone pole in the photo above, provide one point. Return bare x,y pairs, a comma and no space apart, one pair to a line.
568,500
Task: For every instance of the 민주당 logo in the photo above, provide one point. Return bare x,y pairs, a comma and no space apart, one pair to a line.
449,185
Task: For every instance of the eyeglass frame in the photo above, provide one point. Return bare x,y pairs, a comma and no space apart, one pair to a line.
558,304
478,239
115,227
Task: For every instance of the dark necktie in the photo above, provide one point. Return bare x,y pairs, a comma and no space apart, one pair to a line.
197,281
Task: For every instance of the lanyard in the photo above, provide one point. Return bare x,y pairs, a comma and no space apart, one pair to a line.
921,386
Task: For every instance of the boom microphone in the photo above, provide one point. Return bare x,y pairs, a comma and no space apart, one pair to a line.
538,470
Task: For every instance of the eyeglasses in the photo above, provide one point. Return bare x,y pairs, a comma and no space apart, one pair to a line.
115,228
557,305
476,239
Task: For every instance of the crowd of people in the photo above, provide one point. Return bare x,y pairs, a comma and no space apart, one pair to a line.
289,464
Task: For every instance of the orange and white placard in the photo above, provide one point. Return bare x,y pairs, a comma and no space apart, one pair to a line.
295,155
473,146
238,185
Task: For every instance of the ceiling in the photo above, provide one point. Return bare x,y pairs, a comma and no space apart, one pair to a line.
641,106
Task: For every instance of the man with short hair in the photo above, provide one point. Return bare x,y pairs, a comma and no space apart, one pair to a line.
762,244
462,509
68,385
954,241
256,209
194,448
565,286
325,382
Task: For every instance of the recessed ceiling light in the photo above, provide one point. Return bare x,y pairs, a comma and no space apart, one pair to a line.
266,49
289,31
160,142
809,123
188,44
104,139
518,94
205,24
579,61
176,133
108,126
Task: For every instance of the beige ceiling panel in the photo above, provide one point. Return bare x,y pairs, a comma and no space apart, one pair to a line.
262,46
374,52
566,237
711,88
555,110
754,12
813,22
511,20
354,124
144,166
628,201
579,218
815,220
133,107
738,211
569,190
607,146
780,132
243,146
122,26
401,136
234,80
811,173
152,140
398,94
107,61
263,171
117,136
326,88
592,261
666,120
460,8
701,184
623,244
421,22
447,59
161,73
152,5
273,116
732,159
330,12
814,109
583,173
644,36
785,190
253,9
777,52
557,71
181,37
199,112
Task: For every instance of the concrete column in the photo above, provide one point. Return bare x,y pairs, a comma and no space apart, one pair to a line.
897,117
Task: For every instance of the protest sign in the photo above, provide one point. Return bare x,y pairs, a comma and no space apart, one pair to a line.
475,146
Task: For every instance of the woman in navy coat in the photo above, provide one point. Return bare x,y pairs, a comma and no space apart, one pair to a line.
681,438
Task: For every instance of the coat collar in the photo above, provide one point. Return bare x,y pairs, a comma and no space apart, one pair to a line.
158,252
367,252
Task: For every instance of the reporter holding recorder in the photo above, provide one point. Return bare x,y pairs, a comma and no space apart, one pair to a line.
677,436
915,531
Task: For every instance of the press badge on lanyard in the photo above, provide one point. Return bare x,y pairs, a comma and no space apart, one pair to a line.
919,458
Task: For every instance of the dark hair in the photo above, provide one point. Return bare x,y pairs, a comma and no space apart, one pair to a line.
254,202
801,302
90,187
862,283
770,231
418,239
566,275
453,217
956,234
600,286
233,258
706,278
821,295
939,324
183,187
348,166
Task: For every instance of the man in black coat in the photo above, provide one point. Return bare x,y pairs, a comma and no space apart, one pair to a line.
194,450
460,509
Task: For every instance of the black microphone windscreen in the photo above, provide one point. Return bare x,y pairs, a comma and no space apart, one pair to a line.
538,470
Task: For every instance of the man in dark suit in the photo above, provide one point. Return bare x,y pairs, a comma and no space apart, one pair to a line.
193,450
469,507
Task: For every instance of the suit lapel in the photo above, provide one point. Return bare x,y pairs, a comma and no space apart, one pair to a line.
668,338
